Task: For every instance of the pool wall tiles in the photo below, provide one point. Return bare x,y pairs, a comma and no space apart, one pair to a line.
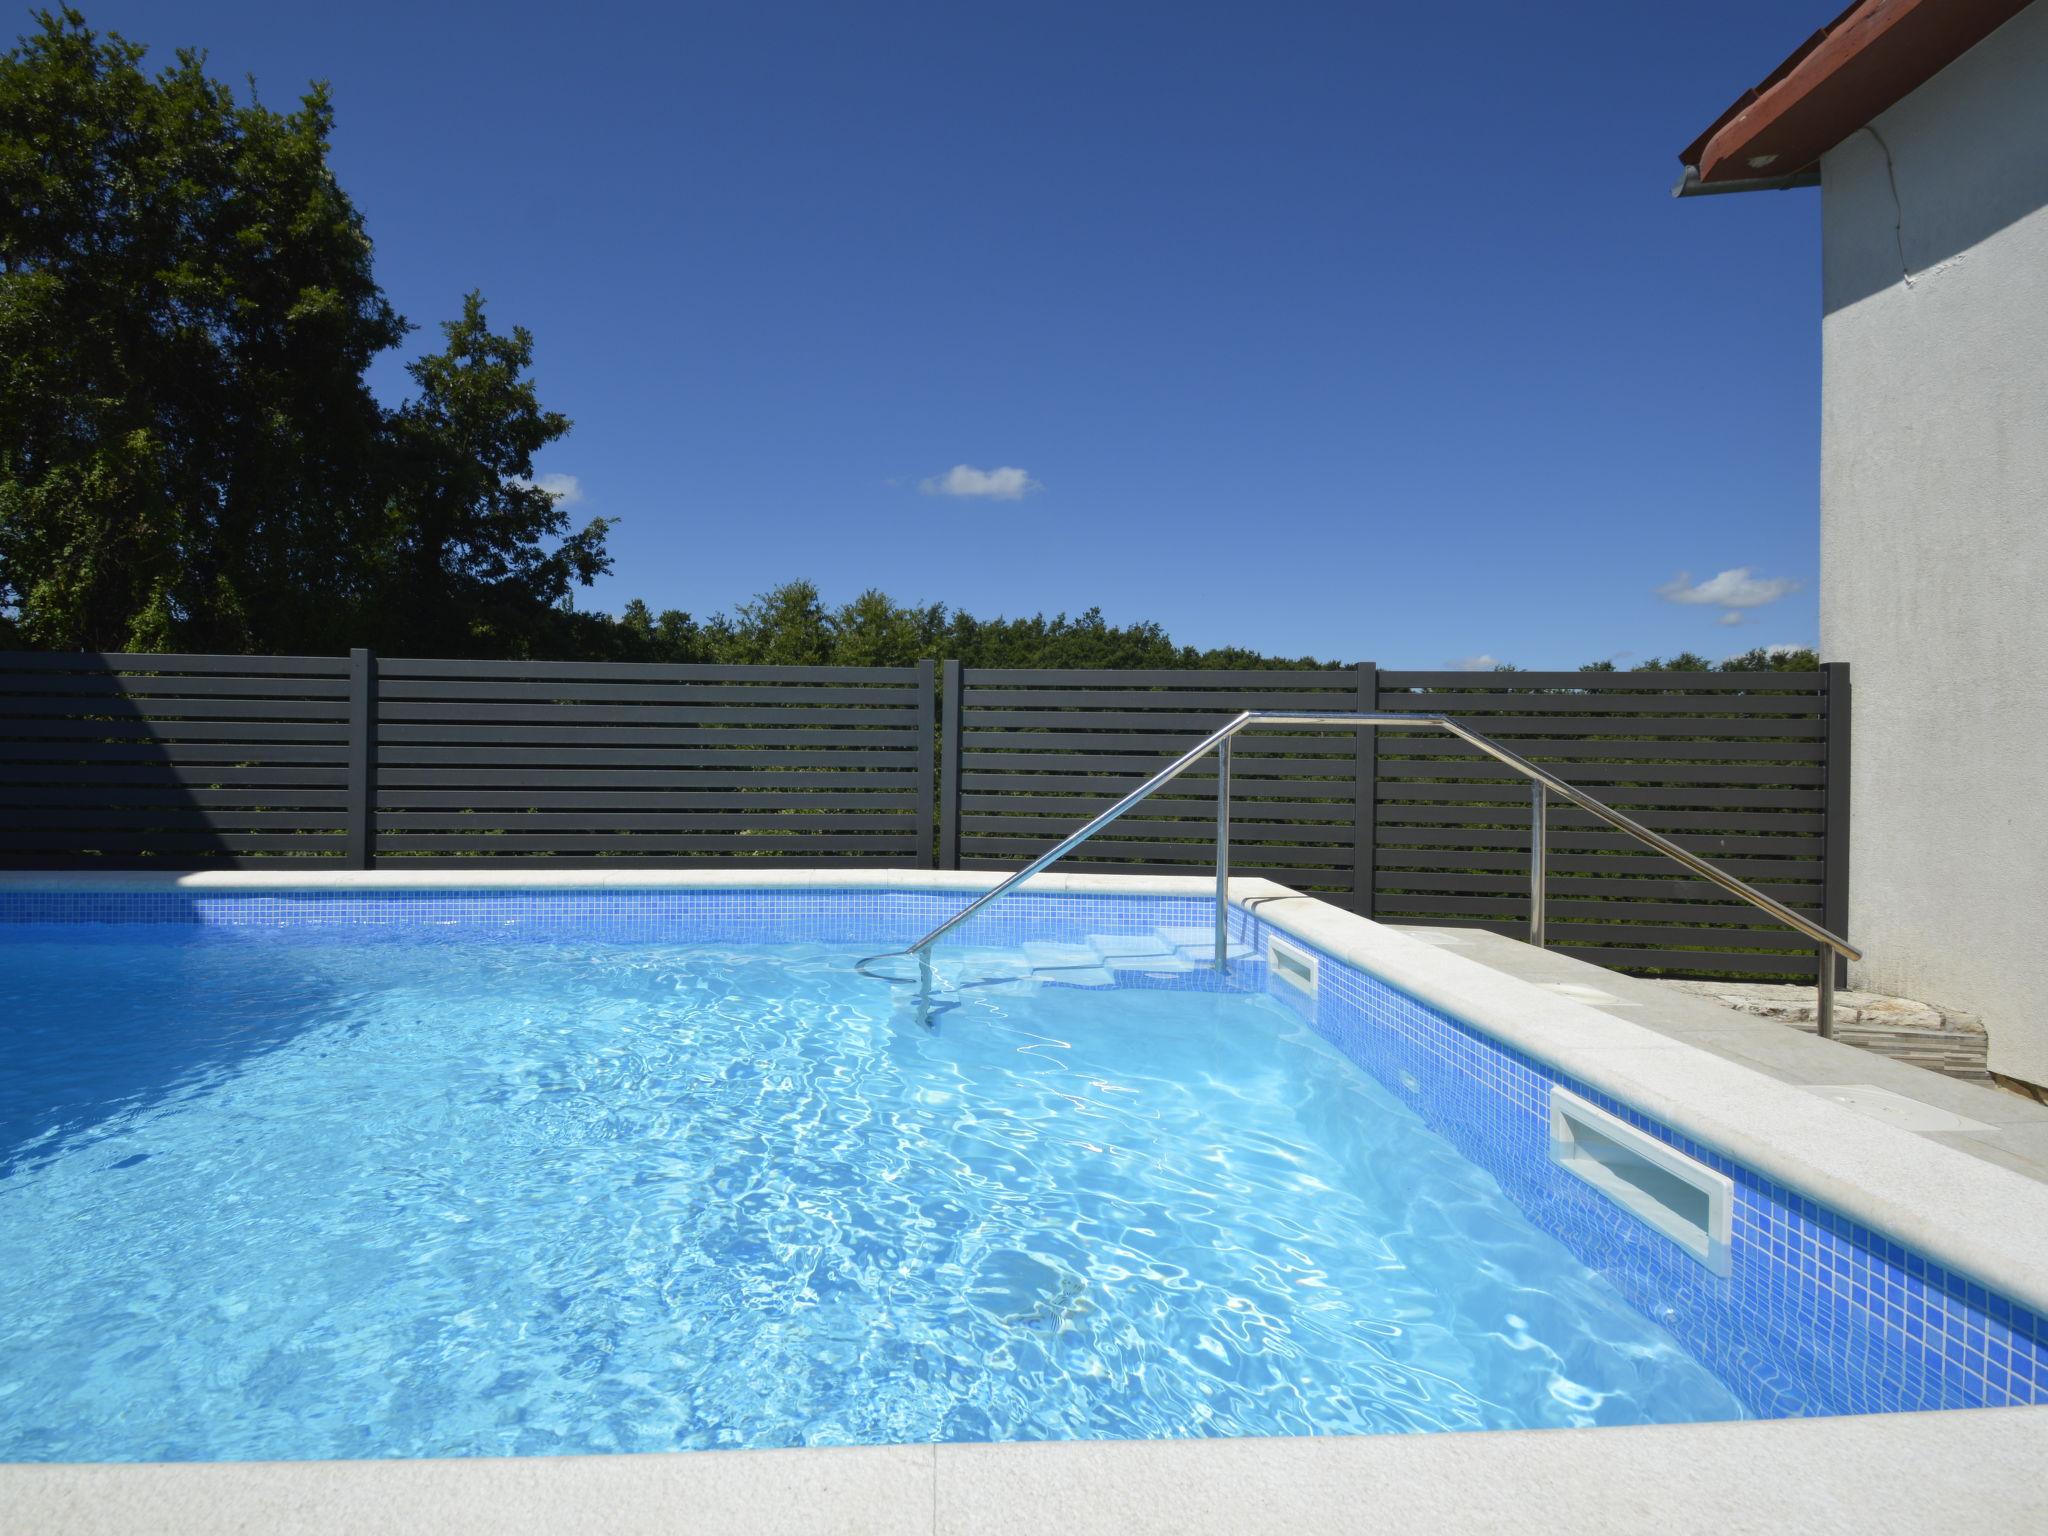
881,917
1817,1315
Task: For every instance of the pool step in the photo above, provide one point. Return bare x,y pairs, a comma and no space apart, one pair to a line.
1097,960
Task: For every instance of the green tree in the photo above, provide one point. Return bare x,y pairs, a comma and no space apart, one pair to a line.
479,560
187,444
786,627
190,456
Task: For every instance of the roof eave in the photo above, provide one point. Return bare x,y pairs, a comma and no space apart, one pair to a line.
1862,63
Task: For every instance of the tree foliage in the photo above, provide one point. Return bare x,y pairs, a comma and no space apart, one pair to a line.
792,626
1762,658
190,454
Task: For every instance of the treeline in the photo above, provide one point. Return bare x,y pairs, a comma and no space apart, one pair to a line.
793,626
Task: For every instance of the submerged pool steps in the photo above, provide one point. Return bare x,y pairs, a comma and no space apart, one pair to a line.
1099,959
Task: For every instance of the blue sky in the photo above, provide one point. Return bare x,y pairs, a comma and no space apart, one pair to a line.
1361,330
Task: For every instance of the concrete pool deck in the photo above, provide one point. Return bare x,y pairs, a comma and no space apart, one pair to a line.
1975,1471
1974,1197
1973,1117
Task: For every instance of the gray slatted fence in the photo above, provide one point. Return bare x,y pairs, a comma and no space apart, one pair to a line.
172,761
599,764
1735,767
1039,752
191,761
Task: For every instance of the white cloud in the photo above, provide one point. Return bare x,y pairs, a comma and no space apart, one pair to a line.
1005,484
566,489
1739,588
1730,617
1479,663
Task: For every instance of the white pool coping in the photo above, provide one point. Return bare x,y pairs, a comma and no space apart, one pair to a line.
1974,1472
1892,1472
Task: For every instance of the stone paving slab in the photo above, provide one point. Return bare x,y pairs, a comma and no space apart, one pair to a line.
1942,1040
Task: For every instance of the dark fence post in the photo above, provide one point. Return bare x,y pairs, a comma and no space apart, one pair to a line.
1835,712
928,746
949,769
1365,793
362,758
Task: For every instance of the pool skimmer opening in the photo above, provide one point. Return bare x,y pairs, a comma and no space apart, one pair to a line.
1296,967
1663,1188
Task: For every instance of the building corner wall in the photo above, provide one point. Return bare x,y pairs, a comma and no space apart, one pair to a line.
1934,533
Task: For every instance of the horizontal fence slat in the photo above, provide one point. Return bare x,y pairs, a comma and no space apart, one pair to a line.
1221,705
1485,797
646,844
1712,682
642,671
1331,885
88,795
1201,833
600,798
87,691
1164,746
740,772
167,752
833,750
1262,679
735,822
1569,817
1799,894
40,716
1594,777
1727,916
1693,962
1795,727
169,736
1108,846
156,842
510,720
401,693
1597,839
102,662
175,777
1073,807
74,824
1480,707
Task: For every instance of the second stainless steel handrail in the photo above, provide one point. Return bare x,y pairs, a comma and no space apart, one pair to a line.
1543,783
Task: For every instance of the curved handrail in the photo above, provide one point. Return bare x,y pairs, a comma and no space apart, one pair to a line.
1219,740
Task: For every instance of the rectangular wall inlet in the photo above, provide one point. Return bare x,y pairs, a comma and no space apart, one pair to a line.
1296,967
1682,1198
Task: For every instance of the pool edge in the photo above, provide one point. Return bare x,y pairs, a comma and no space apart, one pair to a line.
1965,1470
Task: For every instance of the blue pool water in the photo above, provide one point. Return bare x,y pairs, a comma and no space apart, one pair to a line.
338,1193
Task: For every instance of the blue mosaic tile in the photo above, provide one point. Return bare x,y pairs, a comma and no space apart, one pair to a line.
1818,1314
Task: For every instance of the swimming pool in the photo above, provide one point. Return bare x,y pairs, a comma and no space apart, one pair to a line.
323,1174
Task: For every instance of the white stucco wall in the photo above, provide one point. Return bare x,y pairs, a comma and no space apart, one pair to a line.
1934,533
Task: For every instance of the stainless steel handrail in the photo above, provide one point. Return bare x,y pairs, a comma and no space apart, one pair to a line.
1543,784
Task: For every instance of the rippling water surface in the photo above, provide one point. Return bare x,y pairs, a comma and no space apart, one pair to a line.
277,1195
